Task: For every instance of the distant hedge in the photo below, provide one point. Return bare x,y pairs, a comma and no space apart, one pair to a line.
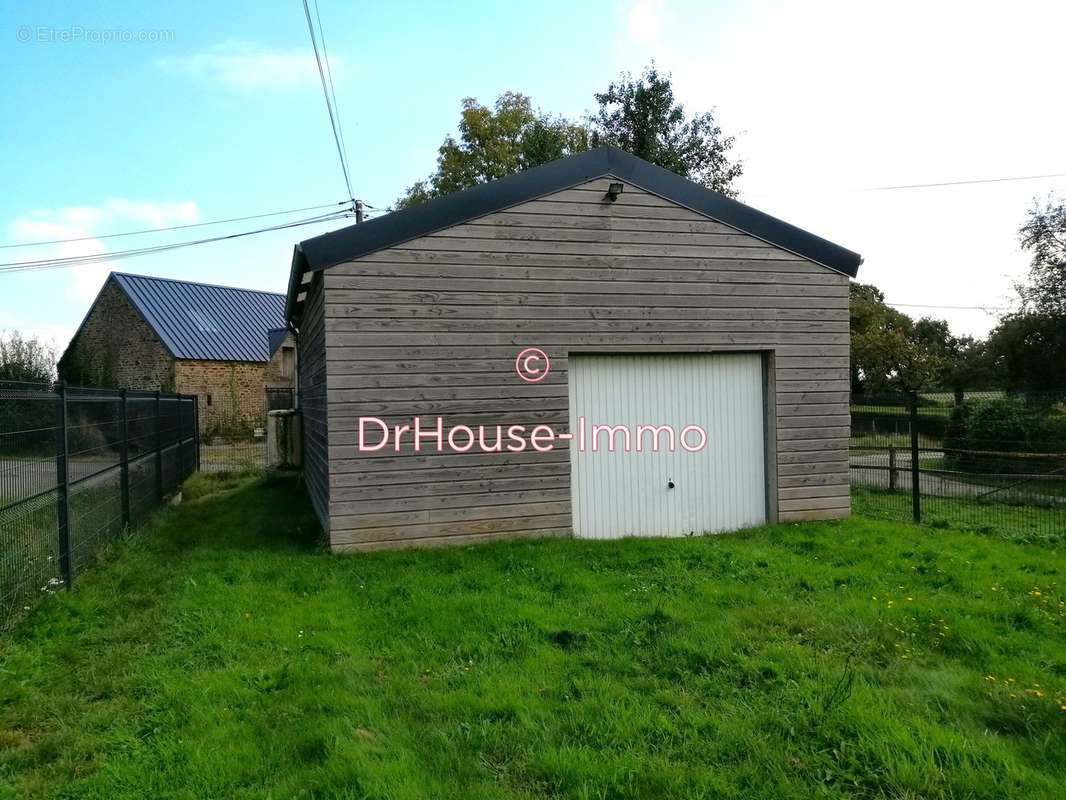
868,418
1006,434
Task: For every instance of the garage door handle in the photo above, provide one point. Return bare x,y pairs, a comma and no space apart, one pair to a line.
669,484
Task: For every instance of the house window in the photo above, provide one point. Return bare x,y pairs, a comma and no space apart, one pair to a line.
209,399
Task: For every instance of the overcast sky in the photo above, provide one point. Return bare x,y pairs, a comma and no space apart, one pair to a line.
215,111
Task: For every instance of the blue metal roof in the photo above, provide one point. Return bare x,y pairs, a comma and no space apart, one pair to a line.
205,322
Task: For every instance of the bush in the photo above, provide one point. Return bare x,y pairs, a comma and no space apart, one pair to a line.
1005,434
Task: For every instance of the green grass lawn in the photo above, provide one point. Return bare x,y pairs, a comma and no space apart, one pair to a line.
222,653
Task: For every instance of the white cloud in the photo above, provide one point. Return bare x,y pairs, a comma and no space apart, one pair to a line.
247,66
85,223
154,215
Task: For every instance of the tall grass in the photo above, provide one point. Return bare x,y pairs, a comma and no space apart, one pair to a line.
226,654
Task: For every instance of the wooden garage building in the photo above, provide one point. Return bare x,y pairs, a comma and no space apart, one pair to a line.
656,301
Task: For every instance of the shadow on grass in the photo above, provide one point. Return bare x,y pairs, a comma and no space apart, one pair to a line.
247,510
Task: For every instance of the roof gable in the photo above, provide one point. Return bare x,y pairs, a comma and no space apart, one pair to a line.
203,322
355,241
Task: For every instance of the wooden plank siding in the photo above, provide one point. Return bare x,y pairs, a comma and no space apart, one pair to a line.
431,327
314,382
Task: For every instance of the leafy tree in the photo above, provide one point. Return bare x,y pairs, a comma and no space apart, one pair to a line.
26,359
636,114
964,362
495,142
1028,347
1044,236
1029,351
889,351
640,115
968,365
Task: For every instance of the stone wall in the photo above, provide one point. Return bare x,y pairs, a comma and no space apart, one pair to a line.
116,348
231,394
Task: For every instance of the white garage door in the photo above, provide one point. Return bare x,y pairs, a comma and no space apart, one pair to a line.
721,487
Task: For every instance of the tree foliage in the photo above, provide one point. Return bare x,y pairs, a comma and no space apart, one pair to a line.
1044,236
26,359
495,142
890,351
885,356
641,116
1029,351
1028,347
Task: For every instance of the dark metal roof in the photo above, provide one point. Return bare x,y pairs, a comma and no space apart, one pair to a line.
355,241
275,336
204,322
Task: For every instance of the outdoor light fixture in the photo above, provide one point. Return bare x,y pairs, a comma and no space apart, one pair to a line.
613,191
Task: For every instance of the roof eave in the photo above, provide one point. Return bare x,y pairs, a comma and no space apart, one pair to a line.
296,273
356,241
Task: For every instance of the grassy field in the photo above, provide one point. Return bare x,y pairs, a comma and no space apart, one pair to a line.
222,653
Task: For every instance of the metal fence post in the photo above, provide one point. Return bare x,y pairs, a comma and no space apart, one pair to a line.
158,450
916,471
62,485
125,455
892,475
196,427
181,443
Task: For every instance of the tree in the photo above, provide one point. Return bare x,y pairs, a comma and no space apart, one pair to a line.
1028,347
1044,236
968,365
26,359
964,362
1029,351
889,350
639,115
495,142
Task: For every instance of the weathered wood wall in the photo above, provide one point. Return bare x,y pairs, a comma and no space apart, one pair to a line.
311,360
432,327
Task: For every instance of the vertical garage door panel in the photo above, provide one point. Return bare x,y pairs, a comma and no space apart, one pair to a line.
719,488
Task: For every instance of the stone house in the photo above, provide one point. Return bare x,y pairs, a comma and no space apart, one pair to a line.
228,346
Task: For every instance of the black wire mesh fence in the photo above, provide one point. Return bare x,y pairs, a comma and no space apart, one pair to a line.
233,436
985,460
78,467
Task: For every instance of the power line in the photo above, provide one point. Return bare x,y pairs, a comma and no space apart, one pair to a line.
329,74
94,258
953,308
966,183
175,227
329,105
